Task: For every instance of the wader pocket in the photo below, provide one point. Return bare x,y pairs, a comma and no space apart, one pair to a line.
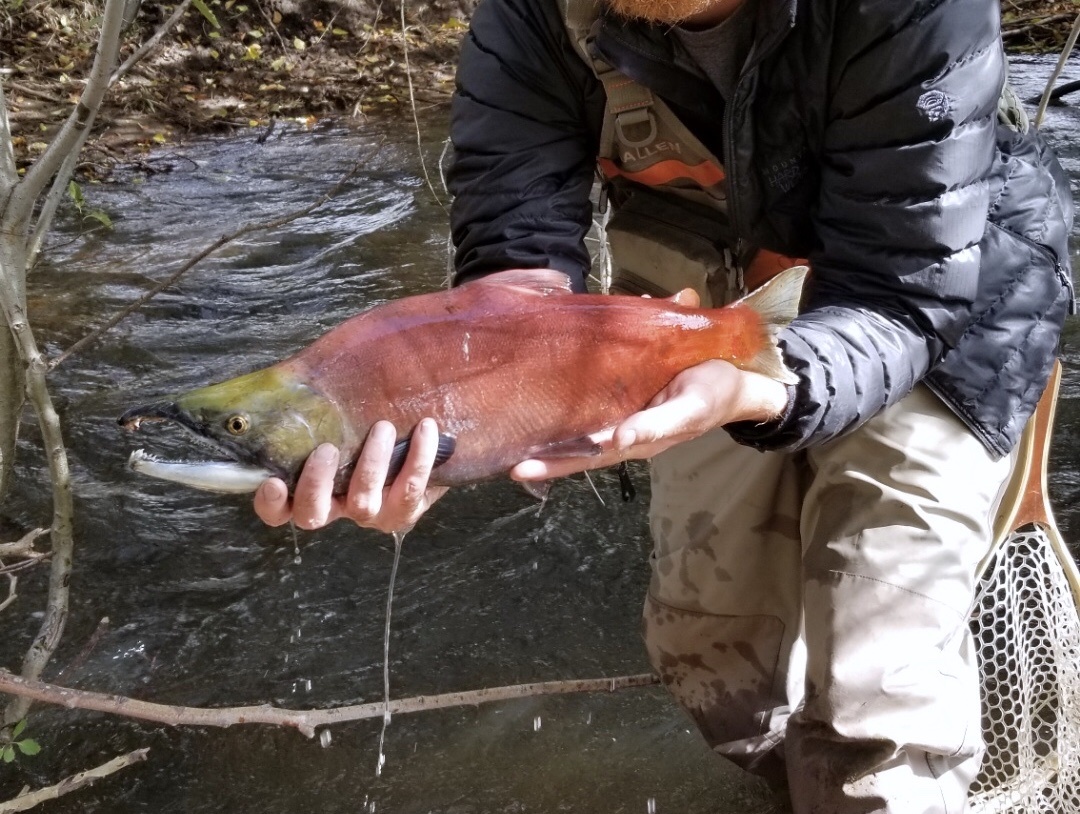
661,244
721,669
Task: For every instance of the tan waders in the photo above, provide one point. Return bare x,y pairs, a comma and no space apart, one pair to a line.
814,606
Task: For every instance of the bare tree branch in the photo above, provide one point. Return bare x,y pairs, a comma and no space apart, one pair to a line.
13,308
306,721
24,545
13,584
75,130
24,802
9,175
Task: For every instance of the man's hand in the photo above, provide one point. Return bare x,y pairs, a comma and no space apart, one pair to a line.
369,502
699,399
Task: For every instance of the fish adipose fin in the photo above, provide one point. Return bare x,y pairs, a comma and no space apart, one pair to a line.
776,303
447,443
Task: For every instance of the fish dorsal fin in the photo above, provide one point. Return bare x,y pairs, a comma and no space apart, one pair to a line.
540,281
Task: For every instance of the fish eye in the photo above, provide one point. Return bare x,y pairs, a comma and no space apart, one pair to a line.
237,425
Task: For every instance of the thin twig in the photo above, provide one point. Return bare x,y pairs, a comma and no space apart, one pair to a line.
273,27
305,721
151,43
29,562
202,255
87,649
1069,43
13,584
29,90
24,802
415,116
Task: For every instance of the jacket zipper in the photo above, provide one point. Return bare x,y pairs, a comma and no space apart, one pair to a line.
1059,269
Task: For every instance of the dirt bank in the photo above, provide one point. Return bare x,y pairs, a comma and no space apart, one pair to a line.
265,59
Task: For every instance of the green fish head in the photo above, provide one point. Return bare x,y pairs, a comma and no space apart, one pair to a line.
271,419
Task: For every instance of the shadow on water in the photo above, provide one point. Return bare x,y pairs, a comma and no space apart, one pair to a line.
208,607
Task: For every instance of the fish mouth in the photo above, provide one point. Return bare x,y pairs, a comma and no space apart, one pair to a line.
169,413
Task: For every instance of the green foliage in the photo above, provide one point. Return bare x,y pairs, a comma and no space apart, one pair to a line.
26,746
76,194
205,11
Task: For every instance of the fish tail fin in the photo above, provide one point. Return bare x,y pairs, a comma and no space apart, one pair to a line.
776,303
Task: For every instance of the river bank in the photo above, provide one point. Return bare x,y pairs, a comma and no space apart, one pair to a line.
246,65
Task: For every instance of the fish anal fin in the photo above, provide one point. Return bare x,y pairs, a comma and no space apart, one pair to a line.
540,489
572,448
539,281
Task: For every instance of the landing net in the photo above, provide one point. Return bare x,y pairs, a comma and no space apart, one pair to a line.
1027,632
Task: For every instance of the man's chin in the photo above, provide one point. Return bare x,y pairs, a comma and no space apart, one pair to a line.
669,12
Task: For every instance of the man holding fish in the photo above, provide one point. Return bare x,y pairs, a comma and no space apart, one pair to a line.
816,533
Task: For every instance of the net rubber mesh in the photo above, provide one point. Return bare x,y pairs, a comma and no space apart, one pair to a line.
1027,633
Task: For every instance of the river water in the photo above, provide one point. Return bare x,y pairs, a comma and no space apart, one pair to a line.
207,607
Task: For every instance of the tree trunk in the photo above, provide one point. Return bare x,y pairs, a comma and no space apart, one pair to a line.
12,385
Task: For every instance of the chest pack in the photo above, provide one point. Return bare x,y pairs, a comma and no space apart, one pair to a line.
669,226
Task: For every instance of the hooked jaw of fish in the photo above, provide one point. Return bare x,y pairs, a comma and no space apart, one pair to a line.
260,425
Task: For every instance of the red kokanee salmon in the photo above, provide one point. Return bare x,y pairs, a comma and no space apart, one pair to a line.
511,367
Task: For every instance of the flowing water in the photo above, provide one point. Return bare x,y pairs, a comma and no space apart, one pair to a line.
208,607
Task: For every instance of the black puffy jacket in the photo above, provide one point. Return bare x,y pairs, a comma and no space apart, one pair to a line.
863,135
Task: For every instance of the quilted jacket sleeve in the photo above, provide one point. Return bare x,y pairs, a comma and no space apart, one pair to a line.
524,118
908,149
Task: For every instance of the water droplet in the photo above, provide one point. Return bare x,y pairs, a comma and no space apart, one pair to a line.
324,738
536,724
650,806
307,685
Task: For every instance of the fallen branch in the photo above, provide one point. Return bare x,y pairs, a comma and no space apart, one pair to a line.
213,247
1010,33
23,546
306,721
24,802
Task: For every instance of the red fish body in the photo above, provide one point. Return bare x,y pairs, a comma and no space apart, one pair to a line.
511,368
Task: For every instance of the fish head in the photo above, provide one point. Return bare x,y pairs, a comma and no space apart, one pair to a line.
269,420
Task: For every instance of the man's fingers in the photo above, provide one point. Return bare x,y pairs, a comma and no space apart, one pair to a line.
679,417
313,497
365,498
272,503
406,497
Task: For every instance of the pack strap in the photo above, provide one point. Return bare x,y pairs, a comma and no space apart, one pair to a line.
630,118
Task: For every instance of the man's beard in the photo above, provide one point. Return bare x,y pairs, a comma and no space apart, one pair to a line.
658,11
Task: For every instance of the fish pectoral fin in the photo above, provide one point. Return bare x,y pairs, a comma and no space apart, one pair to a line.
447,444
539,281
687,297
573,448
